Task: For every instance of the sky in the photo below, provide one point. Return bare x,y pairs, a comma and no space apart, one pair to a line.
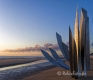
32,23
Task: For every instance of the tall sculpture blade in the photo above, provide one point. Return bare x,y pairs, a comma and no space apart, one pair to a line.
59,40
87,45
76,37
51,59
53,52
84,40
74,52
71,51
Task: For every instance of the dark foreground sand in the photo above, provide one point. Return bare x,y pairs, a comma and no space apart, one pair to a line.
51,74
10,62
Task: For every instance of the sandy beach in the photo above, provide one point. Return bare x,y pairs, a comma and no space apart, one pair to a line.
16,61
52,74
37,72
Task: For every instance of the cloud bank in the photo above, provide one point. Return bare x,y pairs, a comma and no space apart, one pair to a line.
45,47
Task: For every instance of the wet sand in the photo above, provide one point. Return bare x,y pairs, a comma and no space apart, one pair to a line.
52,74
16,61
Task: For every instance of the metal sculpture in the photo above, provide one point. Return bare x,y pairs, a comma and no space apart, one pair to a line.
78,54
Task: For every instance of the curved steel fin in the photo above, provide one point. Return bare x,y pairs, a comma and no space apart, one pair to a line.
59,40
65,48
53,52
51,59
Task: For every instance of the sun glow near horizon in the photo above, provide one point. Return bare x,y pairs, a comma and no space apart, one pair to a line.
28,23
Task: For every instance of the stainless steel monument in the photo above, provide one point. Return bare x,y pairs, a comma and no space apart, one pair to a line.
78,54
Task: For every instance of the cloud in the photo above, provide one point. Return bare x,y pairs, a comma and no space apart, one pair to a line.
45,47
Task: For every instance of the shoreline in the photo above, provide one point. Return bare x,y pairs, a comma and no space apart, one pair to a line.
16,61
41,71
51,74
24,71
